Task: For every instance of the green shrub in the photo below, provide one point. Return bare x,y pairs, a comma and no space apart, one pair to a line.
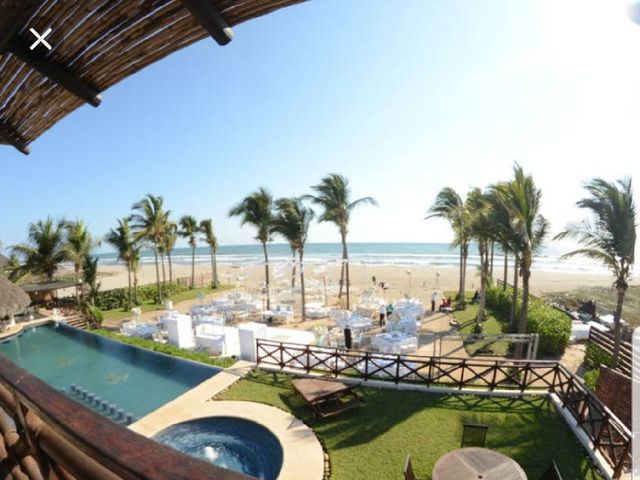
119,297
591,379
202,357
595,356
553,326
98,315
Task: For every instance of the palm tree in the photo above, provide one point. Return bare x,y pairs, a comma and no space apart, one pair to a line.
149,222
450,206
121,239
292,222
481,227
77,246
610,237
170,238
45,251
333,194
257,209
189,230
206,228
90,276
521,199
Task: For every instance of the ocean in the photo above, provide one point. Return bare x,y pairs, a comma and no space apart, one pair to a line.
388,254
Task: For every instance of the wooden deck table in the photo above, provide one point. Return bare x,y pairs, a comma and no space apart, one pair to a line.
325,397
477,464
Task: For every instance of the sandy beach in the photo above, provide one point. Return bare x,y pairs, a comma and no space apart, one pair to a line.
417,281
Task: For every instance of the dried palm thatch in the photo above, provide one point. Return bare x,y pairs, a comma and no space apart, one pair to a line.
101,42
12,298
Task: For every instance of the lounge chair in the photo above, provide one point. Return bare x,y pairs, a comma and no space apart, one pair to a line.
474,435
552,473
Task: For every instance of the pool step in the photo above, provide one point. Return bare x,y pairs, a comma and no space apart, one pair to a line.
77,321
99,405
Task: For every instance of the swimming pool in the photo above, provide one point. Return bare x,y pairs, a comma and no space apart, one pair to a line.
230,442
133,379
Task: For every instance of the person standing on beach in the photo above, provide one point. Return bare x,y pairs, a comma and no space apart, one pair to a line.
434,297
383,314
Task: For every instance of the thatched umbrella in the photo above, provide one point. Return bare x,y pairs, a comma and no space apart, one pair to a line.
12,298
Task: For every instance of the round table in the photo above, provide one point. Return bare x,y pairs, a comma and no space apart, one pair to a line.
477,464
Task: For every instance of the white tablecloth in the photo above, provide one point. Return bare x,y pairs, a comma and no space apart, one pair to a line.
355,322
395,342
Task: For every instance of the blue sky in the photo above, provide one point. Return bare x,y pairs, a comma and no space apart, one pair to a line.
403,97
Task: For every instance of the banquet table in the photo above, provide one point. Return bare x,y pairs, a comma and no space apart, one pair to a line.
477,463
393,342
355,322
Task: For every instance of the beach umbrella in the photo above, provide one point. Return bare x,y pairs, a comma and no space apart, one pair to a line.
12,298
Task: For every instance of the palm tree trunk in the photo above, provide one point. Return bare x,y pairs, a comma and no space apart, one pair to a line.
617,327
304,303
266,273
493,244
215,269
524,309
77,272
159,292
293,272
345,264
135,286
129,281
193,265
461,279
464,267
170,268
514,299
484,271
341,277
506,269
164,277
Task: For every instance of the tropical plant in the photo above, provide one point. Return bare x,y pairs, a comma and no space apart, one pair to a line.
45,251
450,206
257,210
149,222
90,276
292,222
609,237
121,238
333,195
521,198
77,246
209,237
170,239
189,229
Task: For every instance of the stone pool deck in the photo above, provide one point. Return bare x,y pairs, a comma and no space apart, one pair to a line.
303,456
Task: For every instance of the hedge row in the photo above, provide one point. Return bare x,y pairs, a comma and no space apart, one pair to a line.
553,326
202,357
119,297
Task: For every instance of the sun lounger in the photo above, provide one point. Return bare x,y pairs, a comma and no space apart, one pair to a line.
327,397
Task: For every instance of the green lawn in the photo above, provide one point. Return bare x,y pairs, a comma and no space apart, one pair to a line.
492,325
118,314
372,441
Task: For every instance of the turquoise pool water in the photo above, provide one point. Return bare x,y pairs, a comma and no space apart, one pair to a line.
135,380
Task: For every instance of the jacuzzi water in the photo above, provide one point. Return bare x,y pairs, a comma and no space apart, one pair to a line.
233,443
134,380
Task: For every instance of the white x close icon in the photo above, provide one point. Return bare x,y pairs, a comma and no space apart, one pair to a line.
40,38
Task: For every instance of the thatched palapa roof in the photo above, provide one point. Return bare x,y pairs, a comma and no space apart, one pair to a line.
95,44
12,298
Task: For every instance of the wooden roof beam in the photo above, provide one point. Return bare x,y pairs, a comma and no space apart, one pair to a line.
57,73
12,137
210,19
13,16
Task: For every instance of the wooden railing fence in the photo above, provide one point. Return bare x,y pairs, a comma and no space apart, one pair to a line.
46,435
608,435
606,342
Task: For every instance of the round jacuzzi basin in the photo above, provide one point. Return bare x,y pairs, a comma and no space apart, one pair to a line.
233,443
